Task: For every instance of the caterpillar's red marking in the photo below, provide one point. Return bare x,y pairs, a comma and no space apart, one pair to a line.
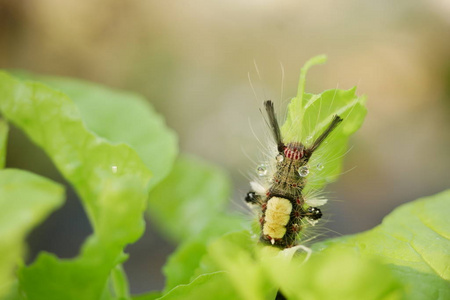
294,154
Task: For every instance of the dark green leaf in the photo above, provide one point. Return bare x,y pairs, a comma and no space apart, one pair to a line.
414,241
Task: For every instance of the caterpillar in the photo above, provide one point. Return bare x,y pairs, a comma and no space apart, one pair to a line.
282,204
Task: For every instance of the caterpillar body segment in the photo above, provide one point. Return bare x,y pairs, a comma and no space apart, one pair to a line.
277,216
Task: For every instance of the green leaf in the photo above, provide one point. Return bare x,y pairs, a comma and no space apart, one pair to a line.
414,241
337,273
120,282
122,117
309,115
234,254
194,258
258,272
148,296
190,203
111,180
25,201
54,123
231,253
292,129
3,142
190,206
181,265
85,277
208,286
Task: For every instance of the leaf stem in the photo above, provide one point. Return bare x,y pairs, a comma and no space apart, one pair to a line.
120,282
316,60
296,106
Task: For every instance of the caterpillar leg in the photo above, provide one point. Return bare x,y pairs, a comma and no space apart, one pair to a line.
255,196
252,198
313,214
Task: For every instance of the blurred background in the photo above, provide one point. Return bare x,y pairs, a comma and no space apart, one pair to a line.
191,59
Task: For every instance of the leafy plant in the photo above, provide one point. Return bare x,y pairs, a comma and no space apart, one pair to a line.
120,158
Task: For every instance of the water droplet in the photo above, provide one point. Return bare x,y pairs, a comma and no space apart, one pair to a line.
320,166
114,169
303,171
309,139
279,158
261,170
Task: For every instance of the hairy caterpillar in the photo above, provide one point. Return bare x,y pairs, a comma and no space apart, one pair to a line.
282,205
314,135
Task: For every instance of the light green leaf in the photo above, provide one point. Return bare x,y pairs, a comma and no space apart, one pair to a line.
195,258
3,142
309,115
122,117
258,272
54,123
233,253
85,277
120,282
190,203
25,201
181,265
208,286
190,206
414,241
337,273
148,296
111,180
